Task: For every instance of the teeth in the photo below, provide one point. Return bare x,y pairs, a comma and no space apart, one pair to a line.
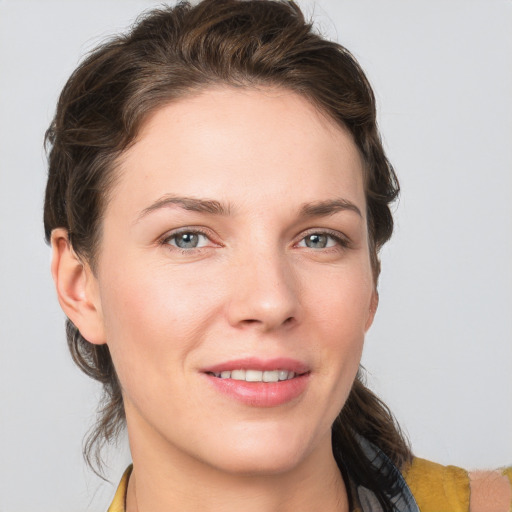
253,375
283,374
238,374
271,376
256,375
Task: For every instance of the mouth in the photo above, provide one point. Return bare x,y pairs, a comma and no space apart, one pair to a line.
253,369
260,383
256,375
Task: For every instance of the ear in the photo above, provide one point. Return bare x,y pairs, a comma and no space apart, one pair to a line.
374,303
77,288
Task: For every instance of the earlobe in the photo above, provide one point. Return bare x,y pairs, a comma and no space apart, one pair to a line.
77,288
374,303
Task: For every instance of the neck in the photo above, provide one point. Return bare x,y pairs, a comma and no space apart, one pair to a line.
164,479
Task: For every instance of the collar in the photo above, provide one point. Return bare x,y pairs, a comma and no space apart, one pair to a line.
400,495
365,500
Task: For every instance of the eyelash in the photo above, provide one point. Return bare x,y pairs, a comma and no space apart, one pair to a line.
165,241
341,241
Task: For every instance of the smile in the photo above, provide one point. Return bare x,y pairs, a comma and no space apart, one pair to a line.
259,382
256,375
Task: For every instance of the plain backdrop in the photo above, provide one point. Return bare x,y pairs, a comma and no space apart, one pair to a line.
440,351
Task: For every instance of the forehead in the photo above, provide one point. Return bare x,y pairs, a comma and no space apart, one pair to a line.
222,142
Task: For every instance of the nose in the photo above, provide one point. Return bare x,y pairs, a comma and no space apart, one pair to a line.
264,293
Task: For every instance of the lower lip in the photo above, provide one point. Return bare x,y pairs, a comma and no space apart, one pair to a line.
261,394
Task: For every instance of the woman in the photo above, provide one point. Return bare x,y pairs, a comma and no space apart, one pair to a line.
217,198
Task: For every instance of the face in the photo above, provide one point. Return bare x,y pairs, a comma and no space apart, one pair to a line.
233,283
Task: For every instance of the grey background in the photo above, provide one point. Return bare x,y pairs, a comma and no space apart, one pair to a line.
440,351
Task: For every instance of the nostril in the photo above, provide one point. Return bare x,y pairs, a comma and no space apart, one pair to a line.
255,321
250,321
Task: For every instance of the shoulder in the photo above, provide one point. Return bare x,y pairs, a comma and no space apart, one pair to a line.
439,488
491,491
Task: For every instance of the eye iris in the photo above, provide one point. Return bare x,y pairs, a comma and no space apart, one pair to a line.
187,240
316,241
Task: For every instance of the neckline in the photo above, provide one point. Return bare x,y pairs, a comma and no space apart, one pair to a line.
360,498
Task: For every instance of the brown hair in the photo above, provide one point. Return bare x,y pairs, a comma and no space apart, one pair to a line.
173,52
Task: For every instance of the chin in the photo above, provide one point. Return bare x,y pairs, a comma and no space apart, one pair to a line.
263,454
250,464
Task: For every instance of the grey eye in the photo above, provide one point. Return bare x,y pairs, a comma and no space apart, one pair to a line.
316,241
187,240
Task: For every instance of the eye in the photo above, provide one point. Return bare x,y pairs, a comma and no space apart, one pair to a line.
187,240
321,241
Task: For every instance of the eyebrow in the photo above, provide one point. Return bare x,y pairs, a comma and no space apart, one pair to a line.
213,207
187,203
329,207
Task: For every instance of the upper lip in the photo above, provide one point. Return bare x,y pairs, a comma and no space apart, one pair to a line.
254,363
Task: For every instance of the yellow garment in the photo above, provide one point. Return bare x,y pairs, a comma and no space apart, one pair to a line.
438,488
508,473
118,504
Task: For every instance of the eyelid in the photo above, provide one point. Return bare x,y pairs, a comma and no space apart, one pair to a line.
164,239
342,239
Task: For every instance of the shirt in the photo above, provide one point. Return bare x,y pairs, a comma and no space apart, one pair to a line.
364,499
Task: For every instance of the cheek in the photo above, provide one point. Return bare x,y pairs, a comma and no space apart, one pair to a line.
339,310
340,302
152,311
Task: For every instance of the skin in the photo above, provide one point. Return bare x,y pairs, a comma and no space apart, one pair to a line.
490,492
253,288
